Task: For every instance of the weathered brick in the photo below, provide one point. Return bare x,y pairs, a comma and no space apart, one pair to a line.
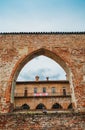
57,121
66,49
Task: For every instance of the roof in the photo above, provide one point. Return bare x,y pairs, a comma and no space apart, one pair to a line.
42,82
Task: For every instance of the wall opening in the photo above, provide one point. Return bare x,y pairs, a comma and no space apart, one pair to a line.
70,106
41,68
25,107
40,106
37,53
56,106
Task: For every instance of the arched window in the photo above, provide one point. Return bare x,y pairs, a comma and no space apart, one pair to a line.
40,106
70,106
56,106
25,106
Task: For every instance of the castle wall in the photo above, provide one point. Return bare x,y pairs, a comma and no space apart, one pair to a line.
68,49
41,121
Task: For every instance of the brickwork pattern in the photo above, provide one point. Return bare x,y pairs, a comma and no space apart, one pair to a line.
42,122
65,48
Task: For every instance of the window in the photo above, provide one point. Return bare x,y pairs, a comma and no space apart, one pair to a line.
64,91
44,90
25,92
35,90
53,90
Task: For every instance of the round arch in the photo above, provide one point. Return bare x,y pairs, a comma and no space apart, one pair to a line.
20,64
70,106
41,106
25,106
56,106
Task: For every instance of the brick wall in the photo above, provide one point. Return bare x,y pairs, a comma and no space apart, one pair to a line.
67,49
58,121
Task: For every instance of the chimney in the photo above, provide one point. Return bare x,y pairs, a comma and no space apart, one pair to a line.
37,78
47,78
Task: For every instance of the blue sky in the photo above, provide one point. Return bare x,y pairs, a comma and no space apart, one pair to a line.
42,15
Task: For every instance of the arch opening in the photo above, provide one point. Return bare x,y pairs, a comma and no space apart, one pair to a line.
70,106
25,107
56,106
37,53
43,67
29,57
40,106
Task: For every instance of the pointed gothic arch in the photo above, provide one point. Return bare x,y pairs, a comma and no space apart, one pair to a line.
20,64
23,60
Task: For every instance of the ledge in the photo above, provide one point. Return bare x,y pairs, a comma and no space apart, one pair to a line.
42,82
49,96
57,114
14,33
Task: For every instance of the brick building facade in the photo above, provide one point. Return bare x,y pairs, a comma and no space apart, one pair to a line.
38,94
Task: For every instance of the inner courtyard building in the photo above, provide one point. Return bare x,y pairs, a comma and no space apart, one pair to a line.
42,94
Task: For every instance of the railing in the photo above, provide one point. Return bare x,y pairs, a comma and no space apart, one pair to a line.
41,94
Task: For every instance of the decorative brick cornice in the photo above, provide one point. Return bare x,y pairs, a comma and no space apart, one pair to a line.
14,33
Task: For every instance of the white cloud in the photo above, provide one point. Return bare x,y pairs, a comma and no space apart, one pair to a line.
43,67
